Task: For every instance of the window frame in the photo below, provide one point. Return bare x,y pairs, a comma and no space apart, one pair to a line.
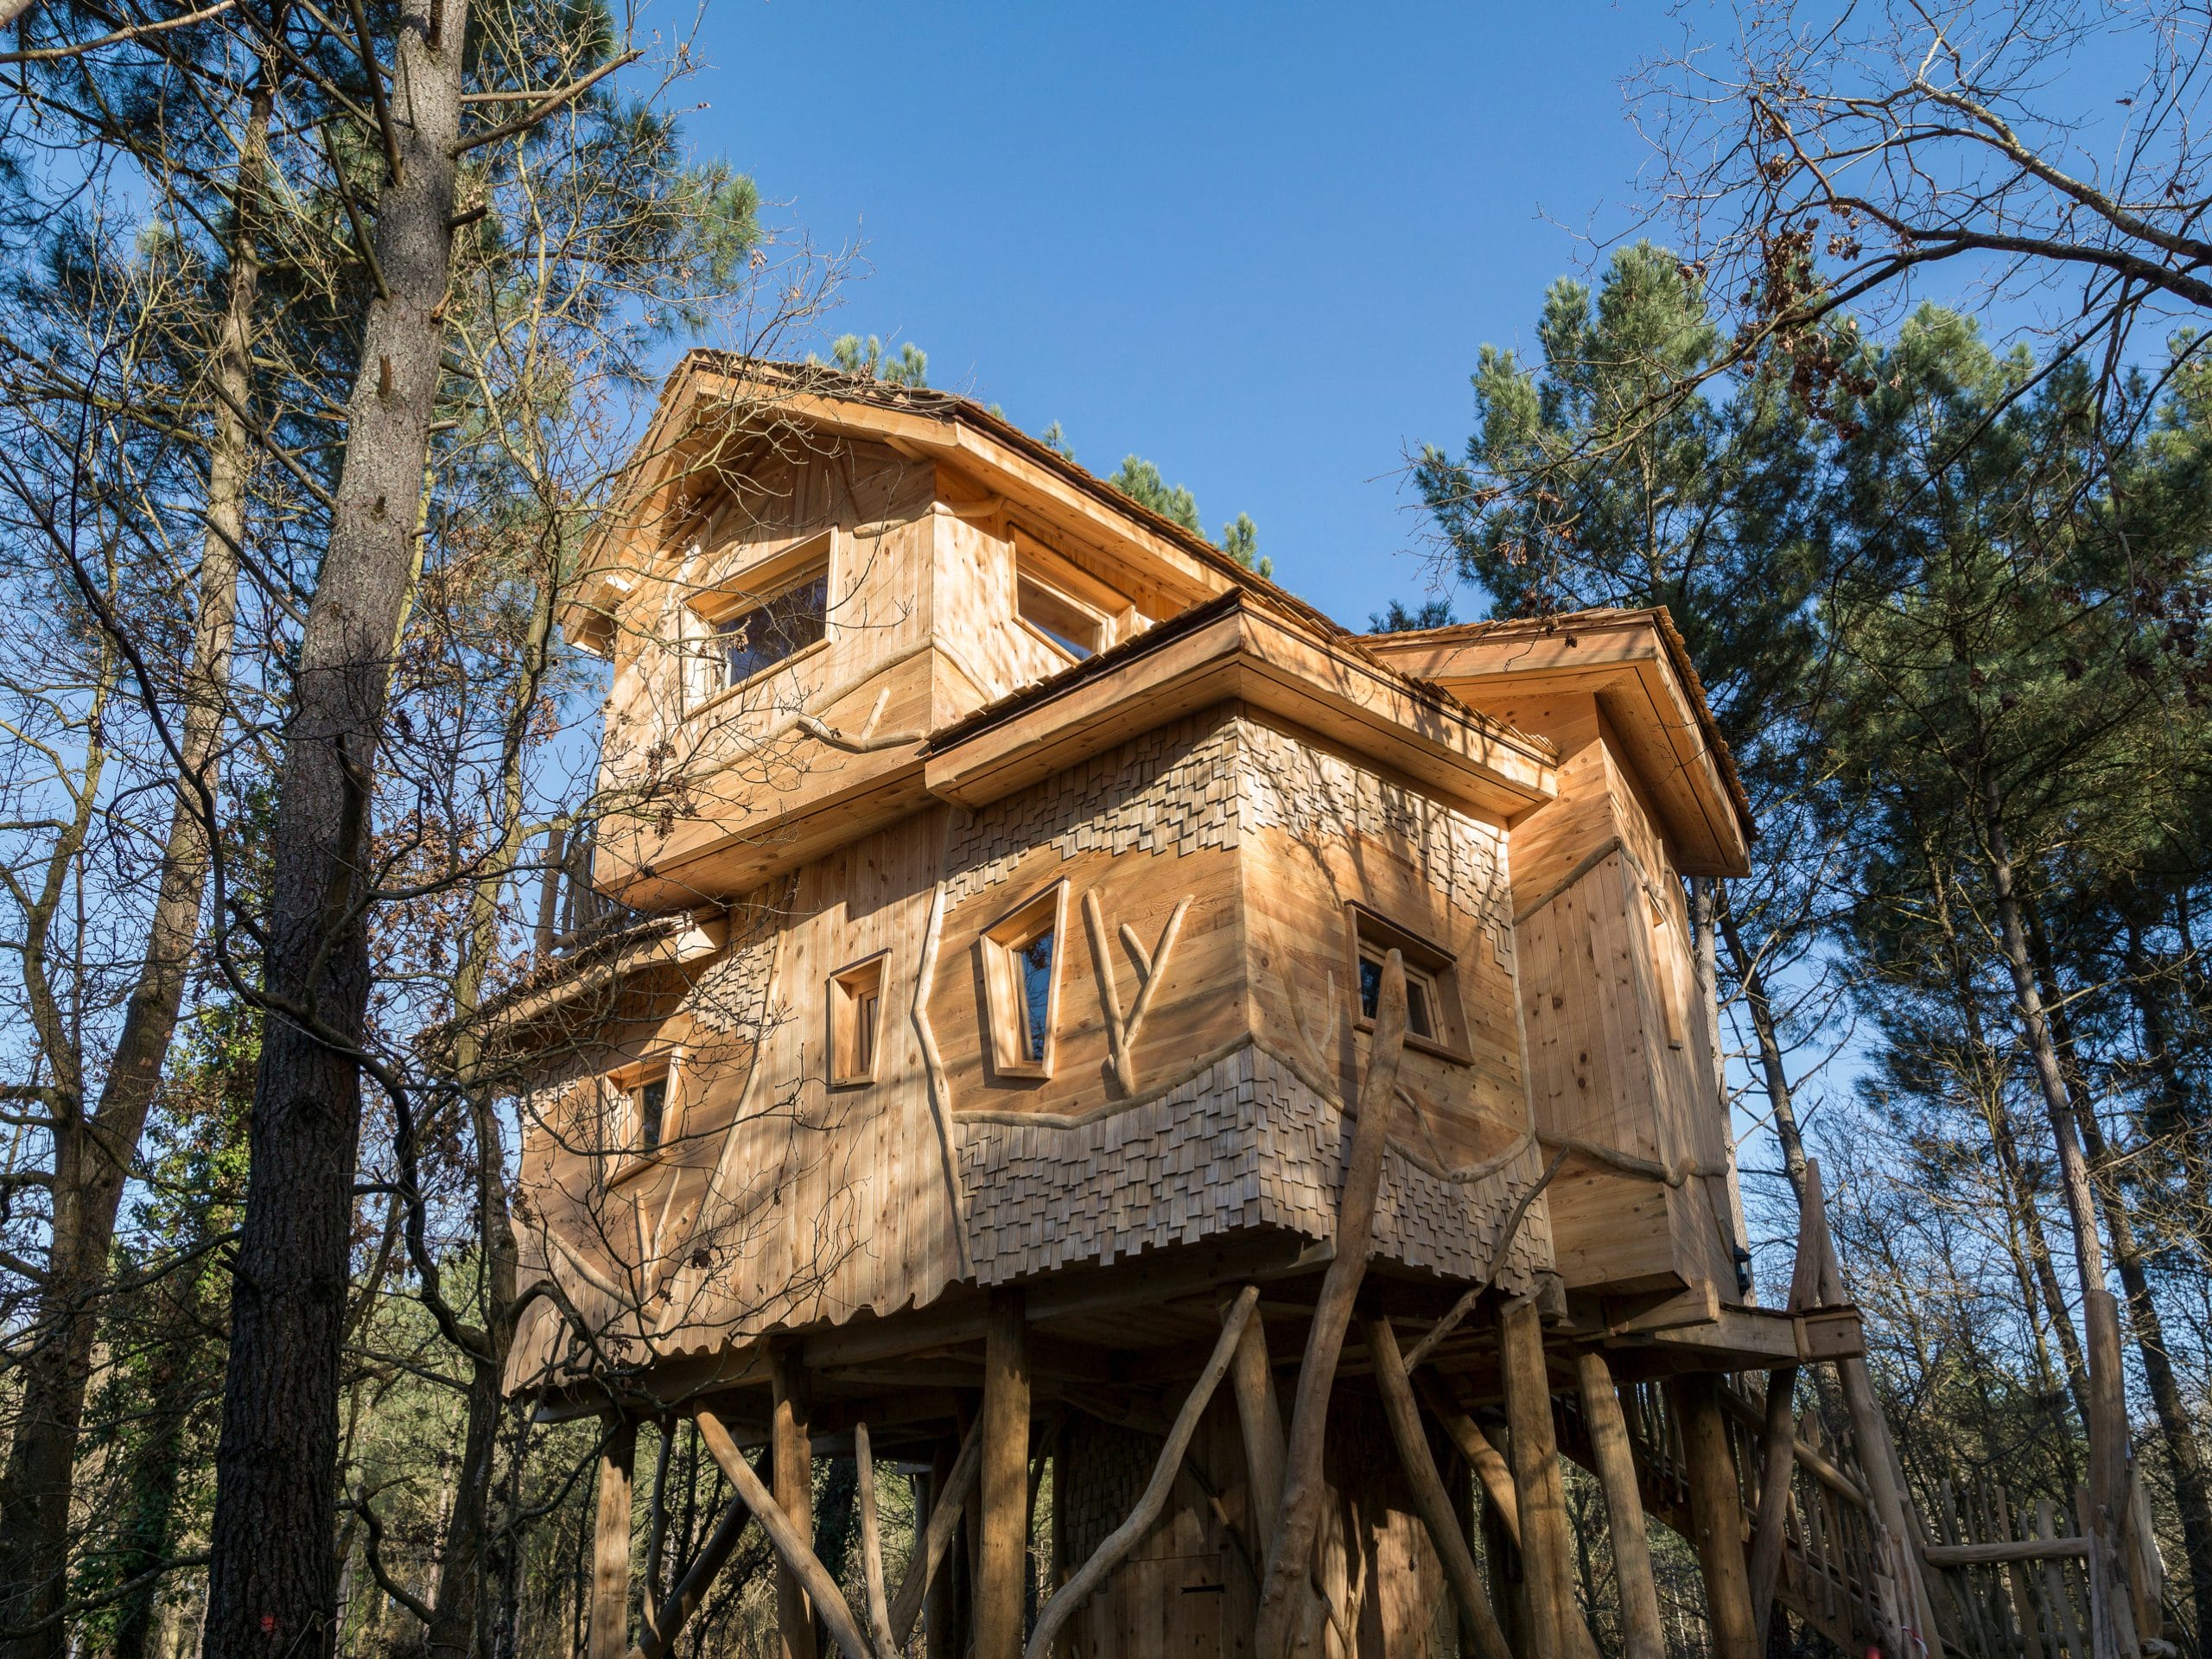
626,1156
845,993
1427,963
1005,1010
753,587
1059,579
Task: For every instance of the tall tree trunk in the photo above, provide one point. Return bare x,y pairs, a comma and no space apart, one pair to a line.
157,1463
2184,1455
94,1157
2177,1119
2107,1382
271,1578
1752,976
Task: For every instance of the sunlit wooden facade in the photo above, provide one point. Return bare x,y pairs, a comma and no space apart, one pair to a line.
1008,886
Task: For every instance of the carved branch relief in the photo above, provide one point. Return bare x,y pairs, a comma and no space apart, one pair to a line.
1152,968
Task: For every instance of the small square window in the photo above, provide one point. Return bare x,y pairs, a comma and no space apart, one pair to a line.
1063,604
856,997
1021,956
1435,1020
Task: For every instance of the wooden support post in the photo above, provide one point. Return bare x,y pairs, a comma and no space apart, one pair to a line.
940,1612
879,1604
791,1468
1430,1499
1053,1618
1716,1516
794,1549
1003,1565
1259,1418
1644,1638
1285,1586
1547,1559
609,1636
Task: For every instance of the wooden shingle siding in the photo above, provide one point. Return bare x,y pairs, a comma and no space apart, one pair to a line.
1244,1143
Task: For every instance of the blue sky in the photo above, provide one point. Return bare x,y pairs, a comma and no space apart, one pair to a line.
1261,248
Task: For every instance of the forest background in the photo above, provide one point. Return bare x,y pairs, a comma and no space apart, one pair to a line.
328,331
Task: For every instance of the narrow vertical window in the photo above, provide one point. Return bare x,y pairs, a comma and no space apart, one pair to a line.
1434,1019
650,1100
855,998
1022,984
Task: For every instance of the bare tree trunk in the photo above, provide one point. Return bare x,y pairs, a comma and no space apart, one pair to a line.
272,1579
1772,1073
2108,1416
2184,1455
94,1157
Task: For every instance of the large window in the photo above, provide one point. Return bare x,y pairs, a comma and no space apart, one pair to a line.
1021,982
1434,1019
753,640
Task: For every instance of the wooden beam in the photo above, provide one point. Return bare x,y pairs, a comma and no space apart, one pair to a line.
691,1590
794,1549
1259,1418
1003,1569
952,1479
1484,1459
1716,1514
1430,1499
1547,1560
1284,1583
609,1636
792,1467
878,1609
1644,1636
1055,1614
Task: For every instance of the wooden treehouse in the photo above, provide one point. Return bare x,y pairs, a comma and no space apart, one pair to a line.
1040,998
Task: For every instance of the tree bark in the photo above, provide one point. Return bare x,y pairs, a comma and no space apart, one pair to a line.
2107,1435
2185,1454
1773,1074
272,1579
93,1158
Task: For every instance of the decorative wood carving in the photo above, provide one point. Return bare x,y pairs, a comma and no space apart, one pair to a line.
1152,968
940,1090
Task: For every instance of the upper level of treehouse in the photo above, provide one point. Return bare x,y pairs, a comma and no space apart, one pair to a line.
1026,873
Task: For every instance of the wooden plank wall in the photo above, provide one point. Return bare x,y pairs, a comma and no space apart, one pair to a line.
1618,1052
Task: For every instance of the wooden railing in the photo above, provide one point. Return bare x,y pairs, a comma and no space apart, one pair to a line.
2008,1581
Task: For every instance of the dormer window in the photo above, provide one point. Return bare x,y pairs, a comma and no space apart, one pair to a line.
1063,604
758,621
1078,631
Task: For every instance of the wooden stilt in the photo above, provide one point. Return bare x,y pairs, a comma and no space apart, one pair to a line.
1003,1567
792,1467
878,1605
1488,1463
1643,1638
1716,1516
1430,1499
1259,1418
610,1557
1546,1560
691,1590
1284,1586
794,1549
952,1482
1055,1614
